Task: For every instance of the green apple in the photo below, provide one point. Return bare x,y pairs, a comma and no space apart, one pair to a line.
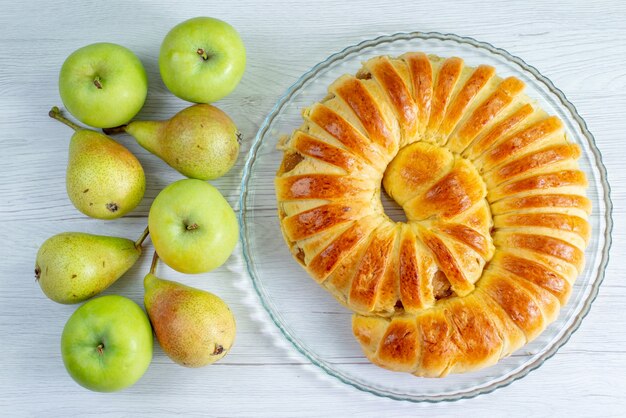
107,344
202,59
192,226
103,85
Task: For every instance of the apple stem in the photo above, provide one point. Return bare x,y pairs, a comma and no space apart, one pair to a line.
100,348
116,130
155,260
96,82
202,53
142,238
55,113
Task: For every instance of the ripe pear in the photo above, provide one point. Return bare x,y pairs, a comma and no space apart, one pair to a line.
200,142
104,180
194,327
73,266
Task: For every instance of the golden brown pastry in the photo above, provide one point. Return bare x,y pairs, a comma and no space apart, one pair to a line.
495,204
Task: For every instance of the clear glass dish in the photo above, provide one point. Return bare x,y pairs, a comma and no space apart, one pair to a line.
311,319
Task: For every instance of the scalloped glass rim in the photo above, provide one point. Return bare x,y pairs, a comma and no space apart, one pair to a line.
589,292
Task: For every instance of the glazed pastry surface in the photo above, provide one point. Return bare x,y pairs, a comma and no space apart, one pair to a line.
494,199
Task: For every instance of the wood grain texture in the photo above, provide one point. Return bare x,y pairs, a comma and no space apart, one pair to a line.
580,46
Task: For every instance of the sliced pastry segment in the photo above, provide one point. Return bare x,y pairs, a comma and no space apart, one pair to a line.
487,112
394,81
421,74
415,170
456,192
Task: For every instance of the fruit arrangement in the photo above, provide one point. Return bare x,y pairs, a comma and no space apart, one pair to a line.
107,343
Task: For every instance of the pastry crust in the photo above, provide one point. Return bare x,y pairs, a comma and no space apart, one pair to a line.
495,202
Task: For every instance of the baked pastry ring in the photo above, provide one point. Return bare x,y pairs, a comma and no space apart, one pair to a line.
495,204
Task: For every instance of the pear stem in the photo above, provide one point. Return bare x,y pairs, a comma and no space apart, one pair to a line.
55,113
116,130
155,260
142,238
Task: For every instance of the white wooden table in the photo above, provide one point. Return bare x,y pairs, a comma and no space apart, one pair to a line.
580,45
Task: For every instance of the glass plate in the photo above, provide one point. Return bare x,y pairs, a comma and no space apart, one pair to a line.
311,319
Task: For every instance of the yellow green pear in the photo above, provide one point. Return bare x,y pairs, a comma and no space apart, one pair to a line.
73,266
194,327
104,179
200,142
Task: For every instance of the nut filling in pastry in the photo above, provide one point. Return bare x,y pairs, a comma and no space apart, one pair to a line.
494,200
